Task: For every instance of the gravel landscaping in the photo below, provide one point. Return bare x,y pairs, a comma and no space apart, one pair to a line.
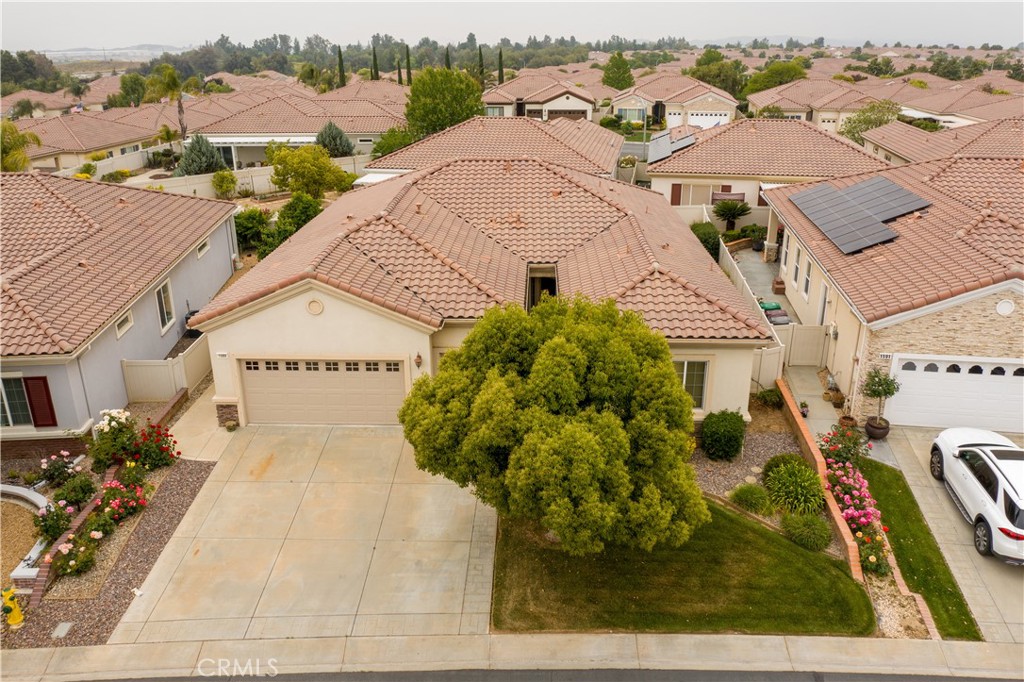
93,620
19,536
719,477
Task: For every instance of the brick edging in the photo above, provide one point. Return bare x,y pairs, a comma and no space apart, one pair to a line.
171,407
810,451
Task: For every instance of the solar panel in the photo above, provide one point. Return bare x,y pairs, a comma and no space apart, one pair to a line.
852,218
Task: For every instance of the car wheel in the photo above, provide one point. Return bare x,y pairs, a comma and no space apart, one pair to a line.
983,537
935,465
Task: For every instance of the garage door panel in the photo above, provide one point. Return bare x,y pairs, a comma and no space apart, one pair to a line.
958,391
323,392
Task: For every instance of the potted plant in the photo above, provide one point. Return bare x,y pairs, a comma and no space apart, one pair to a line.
879,385
756,233
805,409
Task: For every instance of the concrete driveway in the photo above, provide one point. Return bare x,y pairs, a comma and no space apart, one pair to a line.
319,532
994,590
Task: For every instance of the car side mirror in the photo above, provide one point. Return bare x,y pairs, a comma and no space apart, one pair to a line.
956,454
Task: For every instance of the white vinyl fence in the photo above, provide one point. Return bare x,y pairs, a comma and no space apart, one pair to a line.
157,380
131,161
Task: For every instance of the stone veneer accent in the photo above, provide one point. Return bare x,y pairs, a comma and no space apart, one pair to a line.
227,413
972,328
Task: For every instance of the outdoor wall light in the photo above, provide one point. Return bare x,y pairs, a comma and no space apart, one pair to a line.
418,360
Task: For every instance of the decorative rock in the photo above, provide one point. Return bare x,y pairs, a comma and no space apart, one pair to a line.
750,479
755,470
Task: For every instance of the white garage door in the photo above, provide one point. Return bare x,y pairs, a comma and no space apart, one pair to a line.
674,119
707,119
323,391
946,391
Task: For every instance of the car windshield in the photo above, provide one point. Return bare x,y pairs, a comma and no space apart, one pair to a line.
1008,455
1014,514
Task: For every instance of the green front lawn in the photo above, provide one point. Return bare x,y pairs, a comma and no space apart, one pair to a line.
732,576
922,564
639,137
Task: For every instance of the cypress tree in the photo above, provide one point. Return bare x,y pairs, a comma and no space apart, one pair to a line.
374,70
501,68
408,67
399,64
341,70
480,66
447,59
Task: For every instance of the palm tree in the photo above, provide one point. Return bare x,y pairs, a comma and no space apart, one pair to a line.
78,89
730,211
24,108
13,142
164,82
166,135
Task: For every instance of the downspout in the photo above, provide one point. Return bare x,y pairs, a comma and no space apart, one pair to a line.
857,362
85,389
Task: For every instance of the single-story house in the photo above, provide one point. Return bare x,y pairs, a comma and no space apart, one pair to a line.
675,100
825,103
577,144
69,141
739,160
93,274
335,325
539,96
901,143
916,270
955,107
60,102
386,92
243,137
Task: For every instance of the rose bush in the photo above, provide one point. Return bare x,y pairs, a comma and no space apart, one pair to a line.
843,445
154,447
873,552
121,501
57,469
114,438
850,489
52,520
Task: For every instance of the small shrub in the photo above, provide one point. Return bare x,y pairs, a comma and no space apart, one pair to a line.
30,478
52,520
731,236
628,161
82,176
117,176
606,103
115,436
250,225
100,523
298,211
637,125
722,434
770,397
75,556
850,490
751,497
778,460
59,468
155,447
809,531
131,474
795,488
78,489
843,444
753,231
707,233
626,128
224,183
98,156
88,169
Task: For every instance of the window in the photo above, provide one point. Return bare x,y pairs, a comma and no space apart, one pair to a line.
252,366
312,366
204,246
931,367
372,366
794,117
888,157
975,369
998,371
331,366
129,149
26,402
953,369
391,366
271,365
807,278
541,280
796,265
365,140
124,324
693,374
908,367
165,306
291,366
632,114
351,366
785,251
982,471
495,111
1019,372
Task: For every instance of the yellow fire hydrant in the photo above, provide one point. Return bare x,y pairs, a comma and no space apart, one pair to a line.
15,618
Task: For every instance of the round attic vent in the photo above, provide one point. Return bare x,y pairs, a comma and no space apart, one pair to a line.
1005,307
315,307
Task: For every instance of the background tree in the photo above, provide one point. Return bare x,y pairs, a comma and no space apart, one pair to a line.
447,59
571,415
398,68
408,67
13,148
200,157
374,70
709,57
617,74
24,108
164,82
728,76
133,87
299,210
334,141
730,211
77,90
308,169
871,116
439,99
770,111
391,141
481,72
341,70
166,135
775,74
250,225
501,67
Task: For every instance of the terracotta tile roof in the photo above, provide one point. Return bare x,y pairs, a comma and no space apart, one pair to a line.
968,238
1009,107
533,89
152,116
769,148
284,115
77,252
373,91
581,145
449,241
992,139
673,88
957,101
80,132
798,94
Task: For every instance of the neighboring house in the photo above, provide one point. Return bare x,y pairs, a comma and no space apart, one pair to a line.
901,143
675,100
93,274
69,141
580,145
58,103
385,92
825,103
539,96
335,325
243,136
957,107
581,75
921,278
739,160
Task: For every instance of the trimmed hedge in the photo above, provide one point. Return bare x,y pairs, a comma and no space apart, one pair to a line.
722,434
770,397
707,233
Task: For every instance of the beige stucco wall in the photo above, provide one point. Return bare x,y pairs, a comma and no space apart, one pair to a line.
973,328
285,329
67,160
709,103
750,186
567,102
506,109
884,154
728,377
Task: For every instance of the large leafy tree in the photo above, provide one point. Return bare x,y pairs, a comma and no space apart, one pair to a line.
873,115
775,74
334,141
13,146
441,98
617,74
572,415
728,76
200,157
391,141
308,169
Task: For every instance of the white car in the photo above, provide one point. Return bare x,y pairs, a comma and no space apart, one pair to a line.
984,473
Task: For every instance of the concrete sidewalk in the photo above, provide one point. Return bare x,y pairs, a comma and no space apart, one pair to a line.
198,435
512,652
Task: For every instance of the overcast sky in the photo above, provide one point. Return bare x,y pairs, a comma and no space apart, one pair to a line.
42,25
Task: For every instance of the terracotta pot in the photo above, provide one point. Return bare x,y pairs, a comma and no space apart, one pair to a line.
847,422
876,428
